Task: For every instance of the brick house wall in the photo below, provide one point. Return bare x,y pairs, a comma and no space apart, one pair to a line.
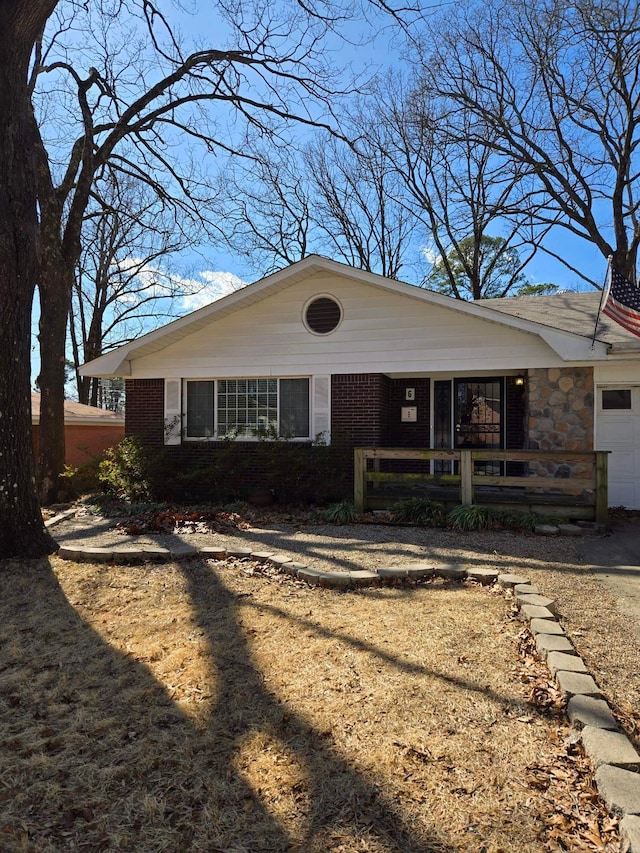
84,442
144,414
365,412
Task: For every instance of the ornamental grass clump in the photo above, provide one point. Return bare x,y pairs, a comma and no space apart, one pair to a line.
471,517
343,512
421,511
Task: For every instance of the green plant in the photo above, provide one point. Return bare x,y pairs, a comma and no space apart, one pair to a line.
127,470
421,511
340,513
470,517
82,478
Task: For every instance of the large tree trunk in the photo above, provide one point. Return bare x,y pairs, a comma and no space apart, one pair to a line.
22,532
55,297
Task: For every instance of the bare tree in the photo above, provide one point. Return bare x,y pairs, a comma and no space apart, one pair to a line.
131,96
266,203
22,531
358,214
122,282
557,87
462,192
332,198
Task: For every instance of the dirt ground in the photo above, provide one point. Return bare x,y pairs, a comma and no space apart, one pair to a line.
222,707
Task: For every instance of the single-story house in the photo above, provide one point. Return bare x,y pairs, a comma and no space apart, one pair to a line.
89,431
323,352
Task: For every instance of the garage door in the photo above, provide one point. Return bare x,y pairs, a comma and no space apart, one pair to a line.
618,430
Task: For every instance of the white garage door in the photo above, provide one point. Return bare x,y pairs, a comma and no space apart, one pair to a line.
618,430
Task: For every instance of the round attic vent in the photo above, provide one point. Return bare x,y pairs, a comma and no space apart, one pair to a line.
322,315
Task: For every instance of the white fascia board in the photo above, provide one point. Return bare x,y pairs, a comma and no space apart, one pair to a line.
112,364
571,347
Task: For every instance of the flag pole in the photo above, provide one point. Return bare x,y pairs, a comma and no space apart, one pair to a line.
605,290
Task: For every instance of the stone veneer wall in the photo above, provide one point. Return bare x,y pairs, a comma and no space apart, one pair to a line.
560,413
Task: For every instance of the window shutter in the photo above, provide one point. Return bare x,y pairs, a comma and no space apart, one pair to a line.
322,409
172,411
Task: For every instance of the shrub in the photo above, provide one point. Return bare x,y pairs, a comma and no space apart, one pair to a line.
421,511
127,470
79,480
339,513
470,517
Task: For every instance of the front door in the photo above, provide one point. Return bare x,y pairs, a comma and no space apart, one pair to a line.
468,415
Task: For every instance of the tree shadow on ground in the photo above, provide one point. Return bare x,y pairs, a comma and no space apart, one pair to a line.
97,755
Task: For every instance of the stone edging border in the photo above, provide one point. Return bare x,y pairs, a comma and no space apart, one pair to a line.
613,757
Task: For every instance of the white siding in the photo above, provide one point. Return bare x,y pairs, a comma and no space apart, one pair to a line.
618,431
380,332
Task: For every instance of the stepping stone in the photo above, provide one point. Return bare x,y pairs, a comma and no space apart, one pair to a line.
562,662
393,572
71,552
620,789
179,552
613,748
525,589
630,832
588,711
210,552
293,569
335,580
531,611
546,530
537,601
129,554
155,552
572,683
240,553
278,560
311,576
420,570
98,555
451,572
261,556
362,577
545,626
483,576
509,581
546,643
56,519
570,530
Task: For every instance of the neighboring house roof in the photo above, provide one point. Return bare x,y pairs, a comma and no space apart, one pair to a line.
564,322
574,312
78,413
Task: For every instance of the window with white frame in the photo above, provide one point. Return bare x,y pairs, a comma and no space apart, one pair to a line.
247,408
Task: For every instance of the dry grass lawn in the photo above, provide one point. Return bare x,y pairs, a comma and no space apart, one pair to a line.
220,707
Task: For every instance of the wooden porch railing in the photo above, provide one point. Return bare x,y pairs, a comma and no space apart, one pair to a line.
576,497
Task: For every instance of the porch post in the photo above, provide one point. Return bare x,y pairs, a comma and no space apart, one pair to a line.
359,468
466,477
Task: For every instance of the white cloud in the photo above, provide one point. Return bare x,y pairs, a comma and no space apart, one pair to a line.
211,286
432,255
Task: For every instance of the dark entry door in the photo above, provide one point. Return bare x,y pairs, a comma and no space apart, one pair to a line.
478,406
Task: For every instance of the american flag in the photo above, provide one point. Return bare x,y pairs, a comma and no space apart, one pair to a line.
623,303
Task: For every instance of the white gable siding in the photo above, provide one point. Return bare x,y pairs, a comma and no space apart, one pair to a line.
380,332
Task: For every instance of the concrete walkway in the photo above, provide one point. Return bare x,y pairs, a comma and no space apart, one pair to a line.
615,561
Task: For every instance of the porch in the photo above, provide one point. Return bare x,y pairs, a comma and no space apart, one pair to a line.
511,479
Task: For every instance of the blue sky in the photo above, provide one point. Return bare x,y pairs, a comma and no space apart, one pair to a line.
212,271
